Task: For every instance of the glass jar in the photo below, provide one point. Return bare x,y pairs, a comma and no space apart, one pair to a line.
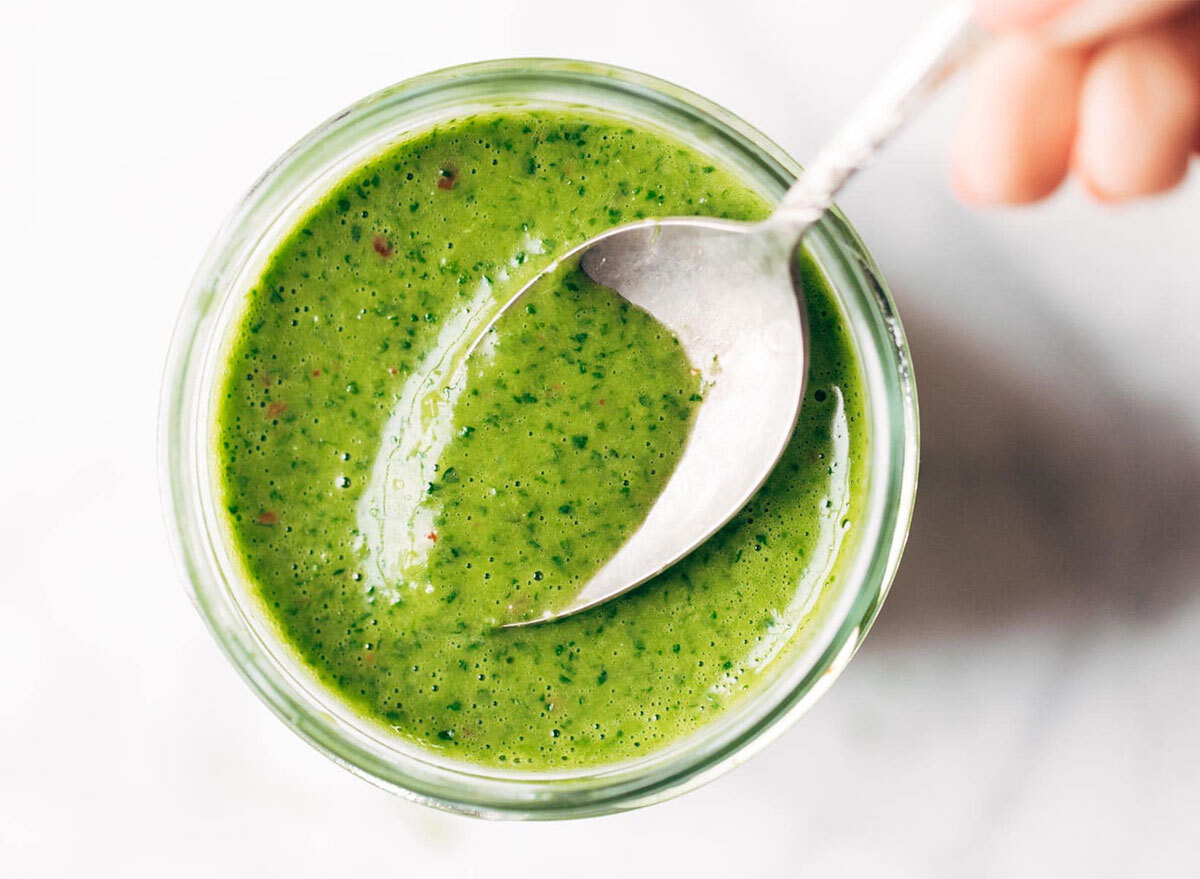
222,596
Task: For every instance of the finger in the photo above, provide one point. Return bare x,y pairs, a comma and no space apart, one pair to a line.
1013,142
1075,22
1094,20
1139,113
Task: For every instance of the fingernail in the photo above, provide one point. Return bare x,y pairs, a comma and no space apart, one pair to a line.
1092,188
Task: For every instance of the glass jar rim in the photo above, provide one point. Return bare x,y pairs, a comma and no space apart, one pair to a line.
415,104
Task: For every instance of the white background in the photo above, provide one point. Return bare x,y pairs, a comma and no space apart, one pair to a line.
1027,704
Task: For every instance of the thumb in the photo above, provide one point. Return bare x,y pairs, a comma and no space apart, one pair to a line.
1074,22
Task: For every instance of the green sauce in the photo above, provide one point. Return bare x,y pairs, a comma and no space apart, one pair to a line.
566,432
390,502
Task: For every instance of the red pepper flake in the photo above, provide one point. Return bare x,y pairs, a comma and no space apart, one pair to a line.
316,373
601,401
267,518
447,177
382,247
432,535
393,371
276,409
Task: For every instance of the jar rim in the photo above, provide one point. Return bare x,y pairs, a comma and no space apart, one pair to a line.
333,147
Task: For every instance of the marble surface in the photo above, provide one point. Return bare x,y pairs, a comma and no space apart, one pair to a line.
1027,705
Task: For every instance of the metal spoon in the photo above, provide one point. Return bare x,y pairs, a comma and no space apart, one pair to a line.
728,292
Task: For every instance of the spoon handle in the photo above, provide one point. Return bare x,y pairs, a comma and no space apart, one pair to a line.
928,61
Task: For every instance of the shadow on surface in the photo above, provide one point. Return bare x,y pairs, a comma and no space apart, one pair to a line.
1035,504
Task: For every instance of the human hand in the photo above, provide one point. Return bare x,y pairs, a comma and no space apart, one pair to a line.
1108,90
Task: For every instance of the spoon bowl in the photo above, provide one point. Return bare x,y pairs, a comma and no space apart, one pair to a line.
728,292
